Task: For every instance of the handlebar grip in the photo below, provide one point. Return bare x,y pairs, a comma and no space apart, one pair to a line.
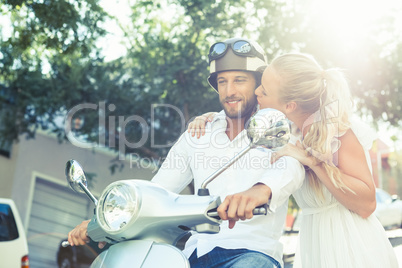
261,210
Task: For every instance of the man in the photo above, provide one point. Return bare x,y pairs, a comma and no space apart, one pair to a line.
236,66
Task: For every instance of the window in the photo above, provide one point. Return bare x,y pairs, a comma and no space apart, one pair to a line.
8,227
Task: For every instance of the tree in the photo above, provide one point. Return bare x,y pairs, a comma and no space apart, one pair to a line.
50,65
167,66
167,60
43,61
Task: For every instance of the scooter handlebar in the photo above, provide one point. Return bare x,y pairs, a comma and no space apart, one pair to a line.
261,210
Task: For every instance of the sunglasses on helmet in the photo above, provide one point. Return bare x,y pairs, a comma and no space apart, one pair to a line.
240,47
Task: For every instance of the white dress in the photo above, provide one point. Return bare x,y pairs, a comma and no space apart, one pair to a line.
331,236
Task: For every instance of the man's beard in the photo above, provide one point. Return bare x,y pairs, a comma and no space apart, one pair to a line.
244,112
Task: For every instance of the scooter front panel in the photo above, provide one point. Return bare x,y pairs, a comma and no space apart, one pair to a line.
141,254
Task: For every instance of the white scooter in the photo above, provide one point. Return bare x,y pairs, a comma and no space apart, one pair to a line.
144,222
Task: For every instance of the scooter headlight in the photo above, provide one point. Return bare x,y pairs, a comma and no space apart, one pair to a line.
118,206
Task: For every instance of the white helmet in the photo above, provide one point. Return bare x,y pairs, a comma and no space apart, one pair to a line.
243,55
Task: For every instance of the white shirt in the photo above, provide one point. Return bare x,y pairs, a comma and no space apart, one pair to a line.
191,158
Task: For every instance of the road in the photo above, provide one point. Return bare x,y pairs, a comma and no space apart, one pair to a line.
395,237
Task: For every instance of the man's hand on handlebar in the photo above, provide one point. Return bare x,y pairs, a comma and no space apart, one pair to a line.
240,206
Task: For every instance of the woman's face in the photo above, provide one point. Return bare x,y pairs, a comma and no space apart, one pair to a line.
268,92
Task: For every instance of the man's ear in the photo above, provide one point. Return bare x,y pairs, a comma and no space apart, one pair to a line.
290,107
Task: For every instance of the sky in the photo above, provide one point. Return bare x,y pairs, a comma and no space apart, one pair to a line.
111,44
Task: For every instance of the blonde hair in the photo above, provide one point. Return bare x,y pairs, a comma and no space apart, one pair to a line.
325,95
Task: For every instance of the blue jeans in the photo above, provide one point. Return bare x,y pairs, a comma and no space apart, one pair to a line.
233,258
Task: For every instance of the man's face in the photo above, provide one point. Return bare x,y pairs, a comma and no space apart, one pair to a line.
236,93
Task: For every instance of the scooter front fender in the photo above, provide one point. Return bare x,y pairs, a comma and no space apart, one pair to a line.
141,254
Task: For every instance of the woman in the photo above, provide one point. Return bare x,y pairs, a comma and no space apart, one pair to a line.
338,196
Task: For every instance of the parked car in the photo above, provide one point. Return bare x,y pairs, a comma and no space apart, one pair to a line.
13,242
388,210
78,256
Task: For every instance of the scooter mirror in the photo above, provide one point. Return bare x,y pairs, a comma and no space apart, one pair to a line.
77,180
269,128
75,176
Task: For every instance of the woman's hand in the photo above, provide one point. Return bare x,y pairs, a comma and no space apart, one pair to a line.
240,206
296,151
198,124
